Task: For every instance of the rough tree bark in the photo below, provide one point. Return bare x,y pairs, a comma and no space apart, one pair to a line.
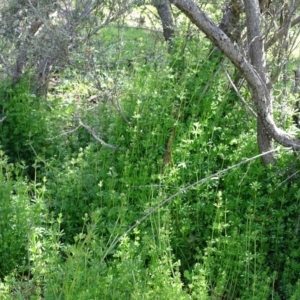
296,93
257,82
165,13
258,61
296,88
23,55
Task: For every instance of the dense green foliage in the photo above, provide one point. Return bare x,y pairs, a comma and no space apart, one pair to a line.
65,199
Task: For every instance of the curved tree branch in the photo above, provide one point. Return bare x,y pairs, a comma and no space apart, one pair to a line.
260,92
92,132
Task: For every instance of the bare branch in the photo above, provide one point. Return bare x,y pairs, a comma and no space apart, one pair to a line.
2,119
280,33
239,94
92,132
112,17
65,133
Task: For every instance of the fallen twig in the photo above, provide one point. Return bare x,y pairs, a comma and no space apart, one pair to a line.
1,120
92,132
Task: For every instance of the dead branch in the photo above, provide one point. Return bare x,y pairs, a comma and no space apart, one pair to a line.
92,132
238,93
280,33
2,119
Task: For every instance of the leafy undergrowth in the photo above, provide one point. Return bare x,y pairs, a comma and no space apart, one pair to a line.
67,201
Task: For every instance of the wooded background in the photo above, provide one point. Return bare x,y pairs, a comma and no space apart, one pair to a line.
149,149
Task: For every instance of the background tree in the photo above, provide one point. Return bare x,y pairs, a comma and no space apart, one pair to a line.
45,35
164,11
129,180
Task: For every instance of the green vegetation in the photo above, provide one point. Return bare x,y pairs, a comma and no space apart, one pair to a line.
66,199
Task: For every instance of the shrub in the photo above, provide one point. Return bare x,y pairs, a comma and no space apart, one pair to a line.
25,132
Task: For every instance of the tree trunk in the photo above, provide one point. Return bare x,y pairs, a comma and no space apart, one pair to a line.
23,55
258,61
296,88
296,93
165,13
260,91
